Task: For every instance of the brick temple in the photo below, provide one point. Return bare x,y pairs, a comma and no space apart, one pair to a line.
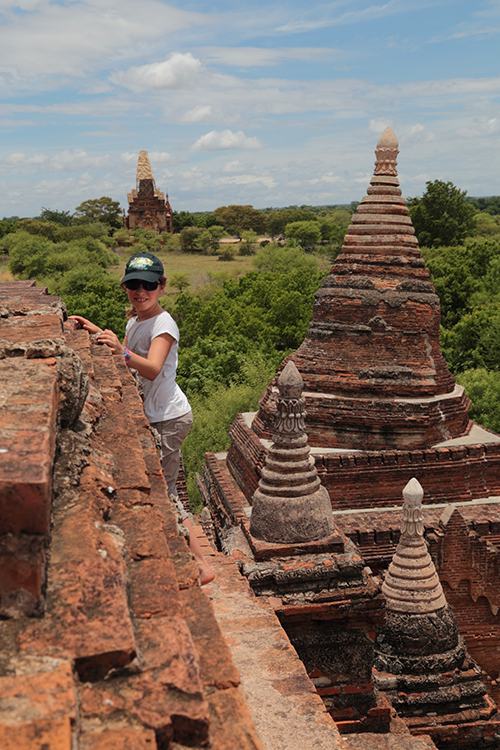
382,408
147,206
355,523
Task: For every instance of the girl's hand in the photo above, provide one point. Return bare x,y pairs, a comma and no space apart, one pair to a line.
87,325
110,339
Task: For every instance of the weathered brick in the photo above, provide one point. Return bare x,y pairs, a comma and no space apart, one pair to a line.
41,734
216,665
154,590
89,618
120,738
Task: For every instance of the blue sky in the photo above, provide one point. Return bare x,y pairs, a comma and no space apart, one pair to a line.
264,103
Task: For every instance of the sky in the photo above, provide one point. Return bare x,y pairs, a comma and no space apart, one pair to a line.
271,103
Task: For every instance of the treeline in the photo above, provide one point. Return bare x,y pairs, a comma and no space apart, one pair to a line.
234,332
460,242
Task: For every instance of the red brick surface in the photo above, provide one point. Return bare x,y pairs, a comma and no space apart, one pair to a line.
114,659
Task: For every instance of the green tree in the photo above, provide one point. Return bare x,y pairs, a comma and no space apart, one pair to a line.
216,233
171,242
237,218
277,220
81,231
248,242
58,217
490,204
47,229
483,389
179,280
191,238
487,225
104,209
7,226
181,219
227,251
306,233
95,293
441,216
124,237
277,259
464,277
474,341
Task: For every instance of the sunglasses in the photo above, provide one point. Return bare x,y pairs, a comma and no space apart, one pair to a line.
134,284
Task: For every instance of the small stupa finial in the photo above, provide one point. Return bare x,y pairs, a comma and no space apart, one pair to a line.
290,503
412,524
386,153
412,584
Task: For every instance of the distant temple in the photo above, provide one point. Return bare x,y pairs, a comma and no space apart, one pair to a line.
148,207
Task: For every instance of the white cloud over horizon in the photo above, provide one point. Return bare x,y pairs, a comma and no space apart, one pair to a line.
224,140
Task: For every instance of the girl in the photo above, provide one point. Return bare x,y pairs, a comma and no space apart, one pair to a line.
150,347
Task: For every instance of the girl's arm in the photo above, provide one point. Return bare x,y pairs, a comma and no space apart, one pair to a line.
148,367
84,323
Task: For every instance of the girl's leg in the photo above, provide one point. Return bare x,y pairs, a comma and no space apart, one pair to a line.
204,569
173,432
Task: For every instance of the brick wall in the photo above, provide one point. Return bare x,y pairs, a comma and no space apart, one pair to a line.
107,639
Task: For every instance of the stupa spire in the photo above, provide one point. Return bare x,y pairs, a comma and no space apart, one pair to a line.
374,376
290,504
412,583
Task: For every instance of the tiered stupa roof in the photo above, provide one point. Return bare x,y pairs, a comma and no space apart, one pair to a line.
290,504
422,664
373,370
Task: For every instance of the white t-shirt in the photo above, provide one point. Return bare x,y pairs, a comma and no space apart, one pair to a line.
163,399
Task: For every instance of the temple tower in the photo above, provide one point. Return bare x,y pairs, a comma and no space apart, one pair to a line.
148,207
290,504
422,664
373,371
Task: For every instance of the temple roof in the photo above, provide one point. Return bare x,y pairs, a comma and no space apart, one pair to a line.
374,376
144,171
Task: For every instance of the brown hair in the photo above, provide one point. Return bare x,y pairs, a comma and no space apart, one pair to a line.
131,312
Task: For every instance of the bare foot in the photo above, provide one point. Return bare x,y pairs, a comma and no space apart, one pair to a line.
207,575
205,571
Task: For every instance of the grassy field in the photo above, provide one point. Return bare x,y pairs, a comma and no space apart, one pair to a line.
201,269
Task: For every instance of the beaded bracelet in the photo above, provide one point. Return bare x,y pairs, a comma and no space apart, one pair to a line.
126,354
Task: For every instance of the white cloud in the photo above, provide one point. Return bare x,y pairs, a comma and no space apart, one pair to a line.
226,139
160,157
250,57
56,39
329,178
247,179
356,16
64,161
233,167
378,126
10,123
199,113
417,134
179,70
482,127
